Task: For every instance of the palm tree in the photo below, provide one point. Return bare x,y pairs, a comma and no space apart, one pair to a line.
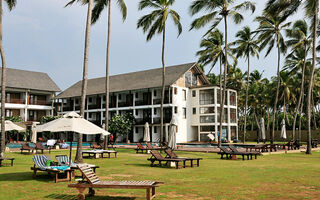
85,71
11,4
271,25
96,12
153,23
222,8
312,11
300,43
246,46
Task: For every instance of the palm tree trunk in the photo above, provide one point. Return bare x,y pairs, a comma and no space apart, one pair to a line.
268,120
246,104
3,89
314,57
163,82
106,122
84,78
300,118
224,77
313,113
220,83
301,94
277,93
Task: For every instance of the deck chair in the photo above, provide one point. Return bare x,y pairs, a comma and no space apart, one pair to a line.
63,160
26,147
96,146
149,145
39,147
156,156
248,154
171,154
141,149
93,181
225,151
40,165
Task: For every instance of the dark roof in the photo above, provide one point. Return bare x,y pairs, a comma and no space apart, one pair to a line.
132,81
23,79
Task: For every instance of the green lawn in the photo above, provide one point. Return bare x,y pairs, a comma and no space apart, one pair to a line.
285,176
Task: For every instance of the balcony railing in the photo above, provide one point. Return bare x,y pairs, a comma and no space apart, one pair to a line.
40,102
158,101
141,121
157,120
142,103
124,104
16,101
94,106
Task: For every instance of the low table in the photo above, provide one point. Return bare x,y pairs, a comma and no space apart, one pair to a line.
98,153
11,159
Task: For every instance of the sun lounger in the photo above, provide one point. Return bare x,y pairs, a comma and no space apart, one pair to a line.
156,156
141,149
96,146
40,165
149,145
314,143
171,154
39,147
248,154
26,147
94,182
296,144
2,159
98,153
225,151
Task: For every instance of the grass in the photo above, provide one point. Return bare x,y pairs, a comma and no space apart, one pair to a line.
284,176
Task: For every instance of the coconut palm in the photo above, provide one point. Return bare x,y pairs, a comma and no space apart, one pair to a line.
153,23
85,71
96,12
11,4
271,26
225,10
246,46
300,43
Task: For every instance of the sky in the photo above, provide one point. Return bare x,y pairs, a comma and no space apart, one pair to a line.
45,36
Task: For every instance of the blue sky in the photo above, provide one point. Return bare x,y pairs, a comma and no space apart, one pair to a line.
44,36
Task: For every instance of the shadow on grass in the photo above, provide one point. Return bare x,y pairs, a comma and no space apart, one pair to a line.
138,164
26,176
73,197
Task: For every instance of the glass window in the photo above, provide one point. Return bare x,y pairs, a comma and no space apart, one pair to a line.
207,97
137,95
207,119
233,100
218,97
207,110
194,79
184,113
187,79
225,116
155,93
207,128
137,112
194,111
184,95
155,129
175,109
175,90
90,115
154,111
137,130
193,93
119,96
233,115
90,99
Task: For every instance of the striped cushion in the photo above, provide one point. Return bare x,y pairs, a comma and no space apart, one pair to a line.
40,161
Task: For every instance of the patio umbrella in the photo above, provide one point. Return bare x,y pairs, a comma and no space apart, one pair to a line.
263,129
10,126
283,129
146,135
72,122
34,133
172,133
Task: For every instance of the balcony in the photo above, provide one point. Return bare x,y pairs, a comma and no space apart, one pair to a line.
166,119
124,104
77,108
94,106
158,101
16,101
142,103
67,108
40,102
141,121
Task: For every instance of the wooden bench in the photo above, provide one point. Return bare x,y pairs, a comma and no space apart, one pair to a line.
2,159
94,182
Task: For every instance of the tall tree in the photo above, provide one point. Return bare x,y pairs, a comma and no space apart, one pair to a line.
11,4
312,11
271,26
246,46
85,71
96,12
224,9
299,41
153,23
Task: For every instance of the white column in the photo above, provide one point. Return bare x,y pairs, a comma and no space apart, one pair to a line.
216,114
25,108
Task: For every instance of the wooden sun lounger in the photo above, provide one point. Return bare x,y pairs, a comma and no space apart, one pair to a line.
94,182
26,147
248,154
141,149
149,145
171,154
39,147
156,156
2,159
95,153
225,151
96,146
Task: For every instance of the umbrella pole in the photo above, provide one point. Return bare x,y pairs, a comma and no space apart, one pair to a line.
70,151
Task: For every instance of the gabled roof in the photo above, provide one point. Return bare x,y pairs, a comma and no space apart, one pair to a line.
132,81
23,79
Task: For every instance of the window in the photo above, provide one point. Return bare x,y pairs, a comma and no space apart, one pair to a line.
137,130
104,114
155,129
207,97
194,79
207,110
232,97
187,79
104,98
207,119
77,101
218,97
194,111
184,95
90,99
193,93
225,116
90,115
233,115
184,113
137,95
137,112
155,93
175,91
155,111
207,128
175,110
119,96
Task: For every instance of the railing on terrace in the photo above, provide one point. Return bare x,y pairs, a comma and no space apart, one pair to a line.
124,104
94,106
141,121
158,101
142,103
157,120
16,101
40,102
